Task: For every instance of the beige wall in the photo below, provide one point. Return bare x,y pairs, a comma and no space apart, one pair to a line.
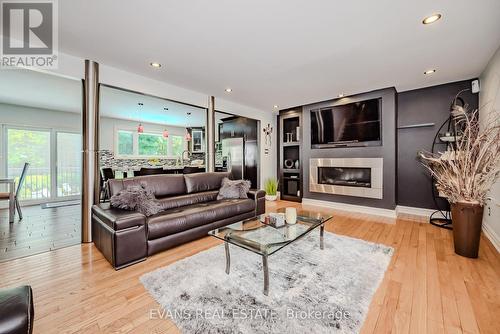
489,101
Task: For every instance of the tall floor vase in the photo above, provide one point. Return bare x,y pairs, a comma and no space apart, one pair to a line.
467,222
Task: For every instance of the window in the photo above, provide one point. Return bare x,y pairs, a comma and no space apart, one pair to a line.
125,143
32,146
131,144
152,145
177,145
69,162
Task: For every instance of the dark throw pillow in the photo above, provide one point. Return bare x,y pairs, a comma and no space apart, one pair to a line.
233,189
136,198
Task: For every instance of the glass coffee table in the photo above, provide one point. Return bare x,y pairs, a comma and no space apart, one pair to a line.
265,239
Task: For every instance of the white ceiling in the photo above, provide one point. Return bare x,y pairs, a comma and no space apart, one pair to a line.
117,103
41,90
285,52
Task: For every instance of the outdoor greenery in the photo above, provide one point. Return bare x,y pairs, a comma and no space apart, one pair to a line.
177,145
125,143
151,144
27,146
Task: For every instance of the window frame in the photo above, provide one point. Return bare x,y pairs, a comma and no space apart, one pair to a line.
135,145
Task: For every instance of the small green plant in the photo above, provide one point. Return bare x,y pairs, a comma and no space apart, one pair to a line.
271,186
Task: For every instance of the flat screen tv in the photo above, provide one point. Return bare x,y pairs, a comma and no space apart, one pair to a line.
353,124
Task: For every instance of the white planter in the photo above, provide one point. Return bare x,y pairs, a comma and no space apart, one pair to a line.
271,197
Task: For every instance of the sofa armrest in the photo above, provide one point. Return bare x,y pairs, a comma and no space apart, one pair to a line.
118,219
260,201
256,194
120,235
17,310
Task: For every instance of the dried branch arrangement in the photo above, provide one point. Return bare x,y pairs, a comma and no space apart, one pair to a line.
467,173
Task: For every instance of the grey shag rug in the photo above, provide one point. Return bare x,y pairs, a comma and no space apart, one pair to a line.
311,290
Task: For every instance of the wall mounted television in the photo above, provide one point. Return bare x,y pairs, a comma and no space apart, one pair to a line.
347,125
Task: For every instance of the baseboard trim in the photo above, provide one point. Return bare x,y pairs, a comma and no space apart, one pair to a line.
492,236
350,207
409,210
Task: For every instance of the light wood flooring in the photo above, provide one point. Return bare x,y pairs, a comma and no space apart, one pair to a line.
39,231
427,288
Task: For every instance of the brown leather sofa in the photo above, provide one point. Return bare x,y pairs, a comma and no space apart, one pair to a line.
16,310
191,209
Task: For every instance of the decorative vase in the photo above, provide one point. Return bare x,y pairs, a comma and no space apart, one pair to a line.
271,197
467,220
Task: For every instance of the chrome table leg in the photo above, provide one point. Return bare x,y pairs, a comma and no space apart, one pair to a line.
321,234
228,257
266,275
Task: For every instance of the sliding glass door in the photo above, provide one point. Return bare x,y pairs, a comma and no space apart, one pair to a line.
68,164
55,163
31,146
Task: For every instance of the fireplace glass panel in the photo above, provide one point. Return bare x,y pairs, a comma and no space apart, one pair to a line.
345,176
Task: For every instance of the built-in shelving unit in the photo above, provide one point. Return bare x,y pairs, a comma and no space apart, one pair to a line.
290,148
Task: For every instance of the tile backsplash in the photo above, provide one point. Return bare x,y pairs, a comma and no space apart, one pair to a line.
108,160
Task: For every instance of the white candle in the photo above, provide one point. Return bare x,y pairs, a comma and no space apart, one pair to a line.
291,215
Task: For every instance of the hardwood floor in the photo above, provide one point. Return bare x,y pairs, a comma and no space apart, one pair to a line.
426,289
39,231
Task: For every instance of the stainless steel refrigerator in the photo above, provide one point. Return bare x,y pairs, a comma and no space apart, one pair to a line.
233,157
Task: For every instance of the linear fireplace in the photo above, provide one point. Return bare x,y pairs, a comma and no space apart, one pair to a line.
345,176
360,177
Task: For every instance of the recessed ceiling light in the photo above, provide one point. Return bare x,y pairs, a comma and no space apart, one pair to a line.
228,90
429,71
431,19
341,95
276,106
156,65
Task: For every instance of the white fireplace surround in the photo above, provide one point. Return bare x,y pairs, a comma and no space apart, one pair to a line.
374,191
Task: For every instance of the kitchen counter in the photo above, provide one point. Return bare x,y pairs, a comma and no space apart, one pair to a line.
129,171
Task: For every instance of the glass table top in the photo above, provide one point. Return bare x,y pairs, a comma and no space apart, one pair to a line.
265,239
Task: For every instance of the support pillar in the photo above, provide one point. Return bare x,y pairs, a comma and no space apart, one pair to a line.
211,135
90,139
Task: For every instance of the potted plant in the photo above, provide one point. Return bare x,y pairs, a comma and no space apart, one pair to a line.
465,174
271,188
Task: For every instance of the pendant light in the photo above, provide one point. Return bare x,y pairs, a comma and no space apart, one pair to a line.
140,127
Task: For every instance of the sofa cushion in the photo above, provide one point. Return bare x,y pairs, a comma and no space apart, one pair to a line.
172,202
204,181
234,189
137,198
187,217
162,185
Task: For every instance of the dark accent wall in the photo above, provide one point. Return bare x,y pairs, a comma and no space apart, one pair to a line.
426,105
386,151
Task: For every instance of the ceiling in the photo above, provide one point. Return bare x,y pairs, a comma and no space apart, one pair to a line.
117,103
285,53
46,91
